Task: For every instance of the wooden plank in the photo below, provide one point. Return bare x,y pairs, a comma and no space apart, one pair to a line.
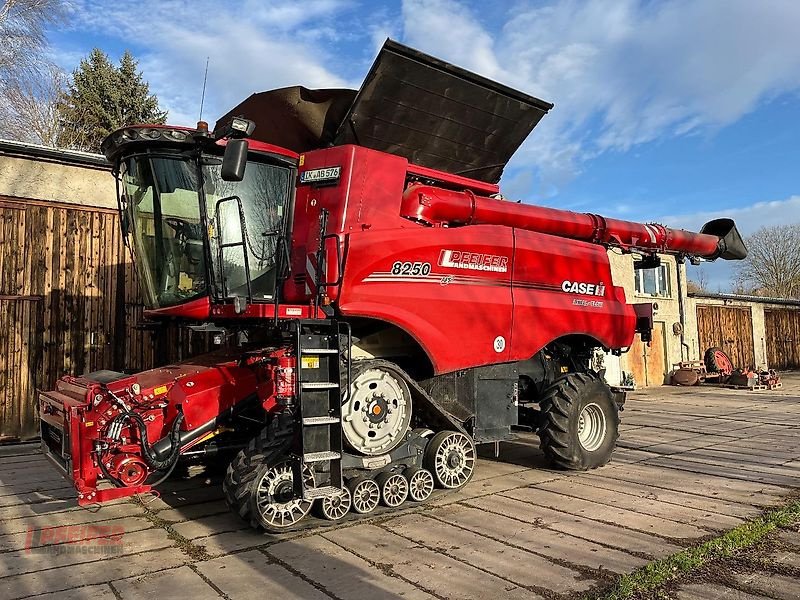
729,328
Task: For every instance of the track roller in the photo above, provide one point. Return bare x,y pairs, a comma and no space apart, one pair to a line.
334,507
365,494
450,457
420,483
394,488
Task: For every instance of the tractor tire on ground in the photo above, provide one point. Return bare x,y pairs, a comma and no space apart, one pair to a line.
717,361
257,485
580,423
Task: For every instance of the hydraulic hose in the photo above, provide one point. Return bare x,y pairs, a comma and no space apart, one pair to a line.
149,455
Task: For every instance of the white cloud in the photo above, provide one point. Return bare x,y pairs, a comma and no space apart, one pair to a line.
252,47
621,73
748,219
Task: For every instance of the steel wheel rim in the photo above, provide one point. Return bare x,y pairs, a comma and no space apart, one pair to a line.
281,514
365,496
455,460
420,485
335,507
394,490
591,427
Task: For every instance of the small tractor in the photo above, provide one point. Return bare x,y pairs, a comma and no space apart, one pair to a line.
380,308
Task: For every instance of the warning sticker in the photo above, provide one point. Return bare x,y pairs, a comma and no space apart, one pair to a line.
309,362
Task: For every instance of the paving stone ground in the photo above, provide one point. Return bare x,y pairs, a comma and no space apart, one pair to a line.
691,463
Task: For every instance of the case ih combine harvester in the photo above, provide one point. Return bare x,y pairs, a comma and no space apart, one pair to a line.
382,309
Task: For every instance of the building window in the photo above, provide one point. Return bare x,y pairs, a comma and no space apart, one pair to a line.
653,282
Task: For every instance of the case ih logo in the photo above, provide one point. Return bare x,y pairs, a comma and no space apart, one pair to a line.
588,289
457,259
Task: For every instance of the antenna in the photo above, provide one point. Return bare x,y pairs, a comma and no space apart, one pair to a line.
203,96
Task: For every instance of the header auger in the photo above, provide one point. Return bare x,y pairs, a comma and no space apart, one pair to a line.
383,311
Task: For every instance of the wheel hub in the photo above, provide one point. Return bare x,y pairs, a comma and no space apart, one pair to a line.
591,427
274,496
454,459
377,413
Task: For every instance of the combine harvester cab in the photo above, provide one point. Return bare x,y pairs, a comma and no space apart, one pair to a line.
381,310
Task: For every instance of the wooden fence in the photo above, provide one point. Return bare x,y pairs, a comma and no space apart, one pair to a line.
69,304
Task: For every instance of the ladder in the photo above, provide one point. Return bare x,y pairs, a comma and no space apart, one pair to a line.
319,400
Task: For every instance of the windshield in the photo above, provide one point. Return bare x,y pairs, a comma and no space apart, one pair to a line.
244,241
162,211
166,224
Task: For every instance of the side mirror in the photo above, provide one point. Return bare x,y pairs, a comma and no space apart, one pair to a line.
234,161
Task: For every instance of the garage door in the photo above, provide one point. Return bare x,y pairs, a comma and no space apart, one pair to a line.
782,329
729,328
647,362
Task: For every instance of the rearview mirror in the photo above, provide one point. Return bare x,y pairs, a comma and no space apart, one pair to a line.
234,161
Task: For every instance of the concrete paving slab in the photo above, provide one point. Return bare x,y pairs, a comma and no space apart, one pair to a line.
48,557
72,576
608,514
648,505
680,498
175,583
342,573
505,560
89,592
710,591
431,571
251,575
772,585
579,527
22,541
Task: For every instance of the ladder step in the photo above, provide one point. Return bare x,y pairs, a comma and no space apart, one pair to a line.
319,385
321,420
319,351
321,492
312,457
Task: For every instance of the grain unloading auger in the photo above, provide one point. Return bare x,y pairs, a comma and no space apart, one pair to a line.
379,312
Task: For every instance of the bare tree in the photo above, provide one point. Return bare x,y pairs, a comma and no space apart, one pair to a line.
29,84
772,266
22,29
29,112
698,281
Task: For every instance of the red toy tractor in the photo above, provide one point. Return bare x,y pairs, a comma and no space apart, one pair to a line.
381,308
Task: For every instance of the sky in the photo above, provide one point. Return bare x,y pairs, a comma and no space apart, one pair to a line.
672,111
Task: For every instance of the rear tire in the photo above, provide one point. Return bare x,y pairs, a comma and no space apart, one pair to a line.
580,424
717,361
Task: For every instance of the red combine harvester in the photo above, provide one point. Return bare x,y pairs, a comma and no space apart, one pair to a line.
380,308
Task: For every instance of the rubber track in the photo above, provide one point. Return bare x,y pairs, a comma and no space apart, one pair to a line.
270,446
556,405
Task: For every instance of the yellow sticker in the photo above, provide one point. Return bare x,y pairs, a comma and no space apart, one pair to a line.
162,389
310,362
564,369
302,159
89,423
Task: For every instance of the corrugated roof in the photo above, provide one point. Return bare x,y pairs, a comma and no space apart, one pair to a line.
69,157
746,298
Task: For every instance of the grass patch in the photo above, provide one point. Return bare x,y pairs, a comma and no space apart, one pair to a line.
657,573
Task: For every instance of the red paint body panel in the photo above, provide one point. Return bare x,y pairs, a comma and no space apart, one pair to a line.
543,312
454,313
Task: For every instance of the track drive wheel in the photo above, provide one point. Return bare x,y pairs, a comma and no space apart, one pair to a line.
258,485
420,483
335,507
581,422
394,489
450,457
365,494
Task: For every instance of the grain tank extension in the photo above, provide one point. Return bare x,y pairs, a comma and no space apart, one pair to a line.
380,308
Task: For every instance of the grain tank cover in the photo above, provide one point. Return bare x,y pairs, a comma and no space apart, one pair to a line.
413,105
438,115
